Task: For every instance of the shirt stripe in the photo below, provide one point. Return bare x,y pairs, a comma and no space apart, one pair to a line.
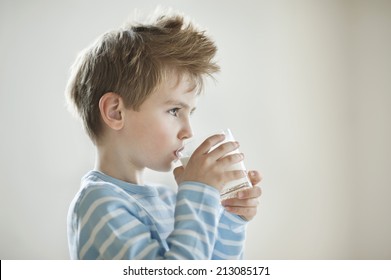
112,219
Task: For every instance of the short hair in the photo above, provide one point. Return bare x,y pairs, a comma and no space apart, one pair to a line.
134,60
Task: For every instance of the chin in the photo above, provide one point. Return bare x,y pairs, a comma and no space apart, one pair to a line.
163,168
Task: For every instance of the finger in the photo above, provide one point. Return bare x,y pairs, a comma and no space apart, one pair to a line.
232,175
235,202
246,212
209,143
231,159
178,172
255,177
253,192
224,149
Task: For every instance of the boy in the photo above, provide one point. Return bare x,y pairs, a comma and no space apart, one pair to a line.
135,89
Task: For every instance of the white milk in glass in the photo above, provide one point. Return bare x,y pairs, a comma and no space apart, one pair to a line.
231,188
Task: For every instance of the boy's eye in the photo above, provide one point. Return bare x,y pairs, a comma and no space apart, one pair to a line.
174,112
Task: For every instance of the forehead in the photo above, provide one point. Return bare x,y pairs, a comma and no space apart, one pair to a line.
175,86
179,81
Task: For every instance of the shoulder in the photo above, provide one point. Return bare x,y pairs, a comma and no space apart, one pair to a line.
97,189
165,193
99,194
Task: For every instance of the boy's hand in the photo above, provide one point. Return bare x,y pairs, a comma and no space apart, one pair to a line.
246,204
210,167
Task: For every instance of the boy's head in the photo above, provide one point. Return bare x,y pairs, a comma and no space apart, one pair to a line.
133,61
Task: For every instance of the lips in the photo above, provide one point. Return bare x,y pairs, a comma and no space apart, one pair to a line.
178,153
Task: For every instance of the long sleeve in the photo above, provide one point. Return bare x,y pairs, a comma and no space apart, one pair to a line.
230,238
107,223
196,220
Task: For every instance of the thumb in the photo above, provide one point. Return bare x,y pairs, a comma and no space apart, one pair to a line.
178,173
255,177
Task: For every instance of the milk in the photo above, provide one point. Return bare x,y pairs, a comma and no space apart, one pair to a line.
231,188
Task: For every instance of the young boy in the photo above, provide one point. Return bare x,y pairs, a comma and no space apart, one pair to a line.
135,89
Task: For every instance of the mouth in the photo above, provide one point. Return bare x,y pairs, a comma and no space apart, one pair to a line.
178,153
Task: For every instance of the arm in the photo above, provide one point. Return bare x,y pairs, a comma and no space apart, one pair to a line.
210,167
232,227
109,226
196,219
230,238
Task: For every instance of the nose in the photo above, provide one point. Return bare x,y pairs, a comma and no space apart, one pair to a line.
186,132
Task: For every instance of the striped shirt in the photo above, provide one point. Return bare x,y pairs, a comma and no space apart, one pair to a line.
113,219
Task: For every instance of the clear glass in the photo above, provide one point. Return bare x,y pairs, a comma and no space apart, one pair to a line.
231,188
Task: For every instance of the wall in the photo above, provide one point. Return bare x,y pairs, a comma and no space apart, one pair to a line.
304,86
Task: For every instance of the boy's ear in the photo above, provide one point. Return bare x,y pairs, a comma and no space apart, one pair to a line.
111,109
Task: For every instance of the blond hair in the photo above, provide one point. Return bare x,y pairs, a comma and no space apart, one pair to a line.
133,61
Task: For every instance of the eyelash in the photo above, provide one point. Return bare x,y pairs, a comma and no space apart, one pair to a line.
174,111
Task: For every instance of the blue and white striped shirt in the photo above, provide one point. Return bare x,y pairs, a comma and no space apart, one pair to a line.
113,219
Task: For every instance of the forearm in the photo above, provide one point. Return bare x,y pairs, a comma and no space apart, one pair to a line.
114,228
231,237
197,215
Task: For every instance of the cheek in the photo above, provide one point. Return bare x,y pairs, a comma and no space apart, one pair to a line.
160,136
163,135
158,152
155,133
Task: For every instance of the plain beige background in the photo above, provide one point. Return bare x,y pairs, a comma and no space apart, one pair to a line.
305,87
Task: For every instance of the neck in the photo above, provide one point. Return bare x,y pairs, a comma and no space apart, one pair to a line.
113,163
